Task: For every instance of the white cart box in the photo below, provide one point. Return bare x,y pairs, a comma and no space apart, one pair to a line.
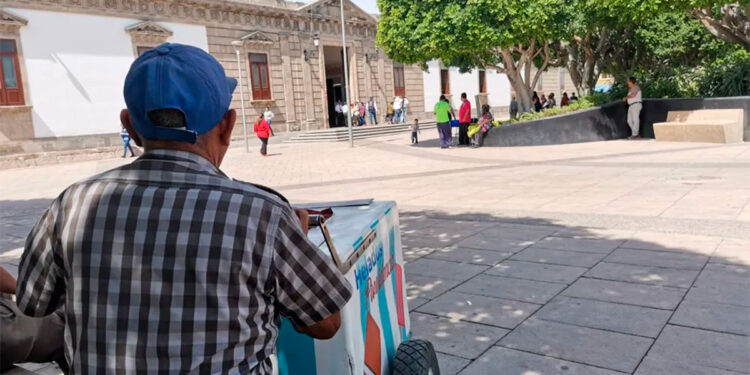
376,319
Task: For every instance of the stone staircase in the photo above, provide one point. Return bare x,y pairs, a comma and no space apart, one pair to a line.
359,132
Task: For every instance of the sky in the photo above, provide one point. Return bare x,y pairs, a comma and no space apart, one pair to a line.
369,6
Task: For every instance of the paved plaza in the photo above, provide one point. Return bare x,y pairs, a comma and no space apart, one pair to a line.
588,259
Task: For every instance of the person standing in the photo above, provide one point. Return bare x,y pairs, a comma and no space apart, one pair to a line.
536,102
464,119
372,109
268,116
404,110
362,113
634,100
263,131
398,104
513,107
565,100
167,265
543,101
126,143
443,118
414,132
389,113
339,114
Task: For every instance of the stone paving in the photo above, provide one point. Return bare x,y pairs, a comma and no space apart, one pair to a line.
598,258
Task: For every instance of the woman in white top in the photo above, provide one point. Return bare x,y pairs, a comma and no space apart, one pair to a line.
634,100
268,116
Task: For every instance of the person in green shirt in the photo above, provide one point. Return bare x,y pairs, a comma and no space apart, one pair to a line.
443,112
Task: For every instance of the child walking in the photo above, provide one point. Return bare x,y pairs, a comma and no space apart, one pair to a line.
414,127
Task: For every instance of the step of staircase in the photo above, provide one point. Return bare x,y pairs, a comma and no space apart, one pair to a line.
360,132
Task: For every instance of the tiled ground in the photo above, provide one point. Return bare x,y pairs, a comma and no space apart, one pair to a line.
500,298
598,258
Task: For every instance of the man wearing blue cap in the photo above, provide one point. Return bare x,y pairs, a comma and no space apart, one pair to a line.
166,265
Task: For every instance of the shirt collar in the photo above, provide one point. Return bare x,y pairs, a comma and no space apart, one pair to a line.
196,161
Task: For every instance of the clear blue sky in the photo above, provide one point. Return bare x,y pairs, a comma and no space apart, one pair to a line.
370,6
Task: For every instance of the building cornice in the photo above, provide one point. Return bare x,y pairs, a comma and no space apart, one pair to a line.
216,13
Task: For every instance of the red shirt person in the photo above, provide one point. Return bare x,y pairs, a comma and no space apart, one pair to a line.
464,119
263,131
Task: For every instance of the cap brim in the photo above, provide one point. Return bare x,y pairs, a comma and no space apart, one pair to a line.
232,84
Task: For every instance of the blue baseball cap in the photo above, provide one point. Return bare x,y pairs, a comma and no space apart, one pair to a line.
180,77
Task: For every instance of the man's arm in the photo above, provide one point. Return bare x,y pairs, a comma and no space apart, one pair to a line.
40,273
310,289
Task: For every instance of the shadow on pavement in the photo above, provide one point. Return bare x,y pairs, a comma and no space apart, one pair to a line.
514,296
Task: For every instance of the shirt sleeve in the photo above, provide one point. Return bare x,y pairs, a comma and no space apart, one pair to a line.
41,284
309,287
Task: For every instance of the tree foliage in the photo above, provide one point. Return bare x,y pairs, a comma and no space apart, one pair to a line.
509,35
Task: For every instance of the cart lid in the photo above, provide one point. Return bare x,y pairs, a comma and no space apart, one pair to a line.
349,224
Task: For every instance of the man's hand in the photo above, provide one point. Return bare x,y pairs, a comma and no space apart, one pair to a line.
7,282
304,218
323,330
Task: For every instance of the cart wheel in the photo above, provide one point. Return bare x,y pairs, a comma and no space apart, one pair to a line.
416,357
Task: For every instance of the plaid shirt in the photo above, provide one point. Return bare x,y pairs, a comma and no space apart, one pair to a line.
166,265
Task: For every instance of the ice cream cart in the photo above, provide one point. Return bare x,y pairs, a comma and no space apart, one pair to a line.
363,238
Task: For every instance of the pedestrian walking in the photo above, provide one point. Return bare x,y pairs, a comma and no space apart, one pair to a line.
268,116
443,118
126,143
414,127
167,265
263,131
513,107
372,109
634,100
464,120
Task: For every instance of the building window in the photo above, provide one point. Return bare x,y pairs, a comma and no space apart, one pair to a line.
445,82
482,82
399,84
11,91
259,76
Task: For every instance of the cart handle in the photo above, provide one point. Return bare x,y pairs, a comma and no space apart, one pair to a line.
319,221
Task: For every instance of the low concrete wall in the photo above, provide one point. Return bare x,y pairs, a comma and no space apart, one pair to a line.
589,125
606,122
655,110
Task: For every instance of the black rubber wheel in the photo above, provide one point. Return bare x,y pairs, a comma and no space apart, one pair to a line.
416,357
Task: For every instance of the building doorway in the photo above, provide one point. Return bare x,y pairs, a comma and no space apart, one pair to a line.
334,65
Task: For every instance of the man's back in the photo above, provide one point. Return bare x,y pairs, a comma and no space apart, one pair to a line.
168,265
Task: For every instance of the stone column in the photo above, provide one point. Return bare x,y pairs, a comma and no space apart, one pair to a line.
286,73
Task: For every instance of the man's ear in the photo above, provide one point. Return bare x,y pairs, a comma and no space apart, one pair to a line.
227,126
125,120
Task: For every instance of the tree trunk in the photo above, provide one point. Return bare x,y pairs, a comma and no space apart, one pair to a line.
733,26
513,71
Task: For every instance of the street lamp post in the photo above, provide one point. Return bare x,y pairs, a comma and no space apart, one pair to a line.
237,44
346,76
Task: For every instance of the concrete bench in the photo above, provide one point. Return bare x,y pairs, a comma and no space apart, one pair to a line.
705,125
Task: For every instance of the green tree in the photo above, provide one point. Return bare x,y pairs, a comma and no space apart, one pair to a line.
511,36
726,20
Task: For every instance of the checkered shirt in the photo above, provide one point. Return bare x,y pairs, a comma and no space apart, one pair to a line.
168,266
